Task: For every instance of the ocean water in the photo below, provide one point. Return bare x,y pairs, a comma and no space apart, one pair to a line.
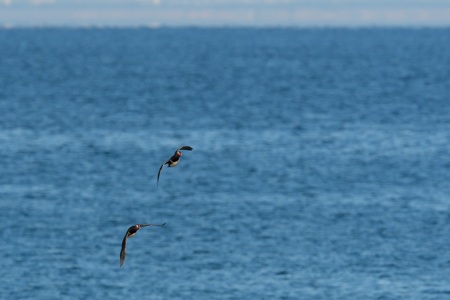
320,169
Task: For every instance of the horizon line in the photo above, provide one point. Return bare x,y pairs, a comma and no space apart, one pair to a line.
225,26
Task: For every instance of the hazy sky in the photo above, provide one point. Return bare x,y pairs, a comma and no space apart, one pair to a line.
225,12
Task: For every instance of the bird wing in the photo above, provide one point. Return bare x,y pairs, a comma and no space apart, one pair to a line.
159,172
144,225
123,252
184,148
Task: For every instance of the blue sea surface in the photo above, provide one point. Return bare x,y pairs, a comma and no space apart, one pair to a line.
320,168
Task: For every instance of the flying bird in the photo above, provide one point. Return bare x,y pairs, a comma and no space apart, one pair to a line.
130,233
174,160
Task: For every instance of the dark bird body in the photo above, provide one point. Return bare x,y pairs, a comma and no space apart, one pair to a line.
130,233
173,161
